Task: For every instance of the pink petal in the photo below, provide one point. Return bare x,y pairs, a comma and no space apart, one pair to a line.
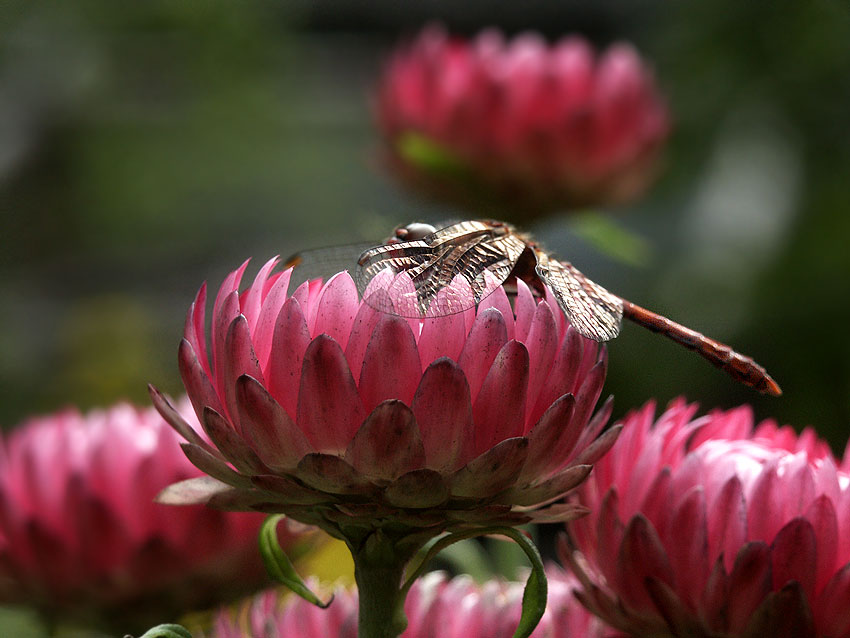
727,523
552,438
272,304
563,375
252,299
831,607
234,448
491,472
391,368
687,545
443,411
794,555
442,337
198,385
336,307
291,338
240,359
483,343
361,333
498,299
329,408
388,444
499,410
542,343
173,418
221,322
278,441
525,307
641,556
750,581
766,504
195,329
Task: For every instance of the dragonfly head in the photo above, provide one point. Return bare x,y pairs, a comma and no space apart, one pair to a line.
411,232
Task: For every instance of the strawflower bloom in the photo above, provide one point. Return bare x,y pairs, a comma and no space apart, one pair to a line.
82,539
436,606
715,527
521,124
386,431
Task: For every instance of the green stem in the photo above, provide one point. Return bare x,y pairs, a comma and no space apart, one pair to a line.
378,569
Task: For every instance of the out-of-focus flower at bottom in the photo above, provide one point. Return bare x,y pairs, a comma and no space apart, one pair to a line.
81,538
436,607
715,527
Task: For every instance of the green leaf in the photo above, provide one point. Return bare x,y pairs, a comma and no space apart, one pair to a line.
278,564
604,234
428,154
167,631
536,587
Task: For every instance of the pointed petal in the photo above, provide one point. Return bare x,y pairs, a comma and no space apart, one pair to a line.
289,490
168,412
727,524
542,343
265,328
388,444
553,488
688,547
329,473
213,466
421,488
641,556
230,444
275,437
252,299
441,337
443,411
794,556
329,407
361,333
495,470
498,299
194,491
239,359
195,328
336,306
831,606
499,409
483,343
751,581
524,307
563,375
551,439
198,386
391,367
283,373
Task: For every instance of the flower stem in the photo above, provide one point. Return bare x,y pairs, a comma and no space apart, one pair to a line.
379,565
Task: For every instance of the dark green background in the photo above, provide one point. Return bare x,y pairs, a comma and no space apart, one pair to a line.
145,147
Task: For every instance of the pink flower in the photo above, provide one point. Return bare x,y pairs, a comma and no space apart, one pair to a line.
322,408
436,606
521,123
714,527
81,536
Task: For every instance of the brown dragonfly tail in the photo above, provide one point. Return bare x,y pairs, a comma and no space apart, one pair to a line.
737,365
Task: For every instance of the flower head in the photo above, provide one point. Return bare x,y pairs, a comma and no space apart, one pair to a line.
521,122
436,606
323,408
80,534
715,527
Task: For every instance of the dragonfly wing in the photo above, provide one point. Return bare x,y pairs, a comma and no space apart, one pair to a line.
323,262
593,311
446,272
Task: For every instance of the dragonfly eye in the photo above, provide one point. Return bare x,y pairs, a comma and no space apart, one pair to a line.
411,232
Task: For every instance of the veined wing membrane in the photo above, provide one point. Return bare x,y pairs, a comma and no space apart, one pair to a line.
593,311
448,271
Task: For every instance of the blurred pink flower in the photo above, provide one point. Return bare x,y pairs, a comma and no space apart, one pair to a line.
334,413
436,606
714,527
81,536
521,123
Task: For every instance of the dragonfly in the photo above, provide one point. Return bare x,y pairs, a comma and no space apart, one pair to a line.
416,272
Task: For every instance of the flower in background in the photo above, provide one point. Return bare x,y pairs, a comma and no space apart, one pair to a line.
521,125
81,536
323,408
436,606
714,527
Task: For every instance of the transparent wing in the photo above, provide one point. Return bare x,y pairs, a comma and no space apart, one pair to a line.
593,311
324,262
446,272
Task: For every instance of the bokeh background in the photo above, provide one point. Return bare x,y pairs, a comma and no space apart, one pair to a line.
145,147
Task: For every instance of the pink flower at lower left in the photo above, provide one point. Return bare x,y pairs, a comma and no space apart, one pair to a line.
81,538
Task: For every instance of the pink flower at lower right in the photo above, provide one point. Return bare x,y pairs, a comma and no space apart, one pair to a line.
715,526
